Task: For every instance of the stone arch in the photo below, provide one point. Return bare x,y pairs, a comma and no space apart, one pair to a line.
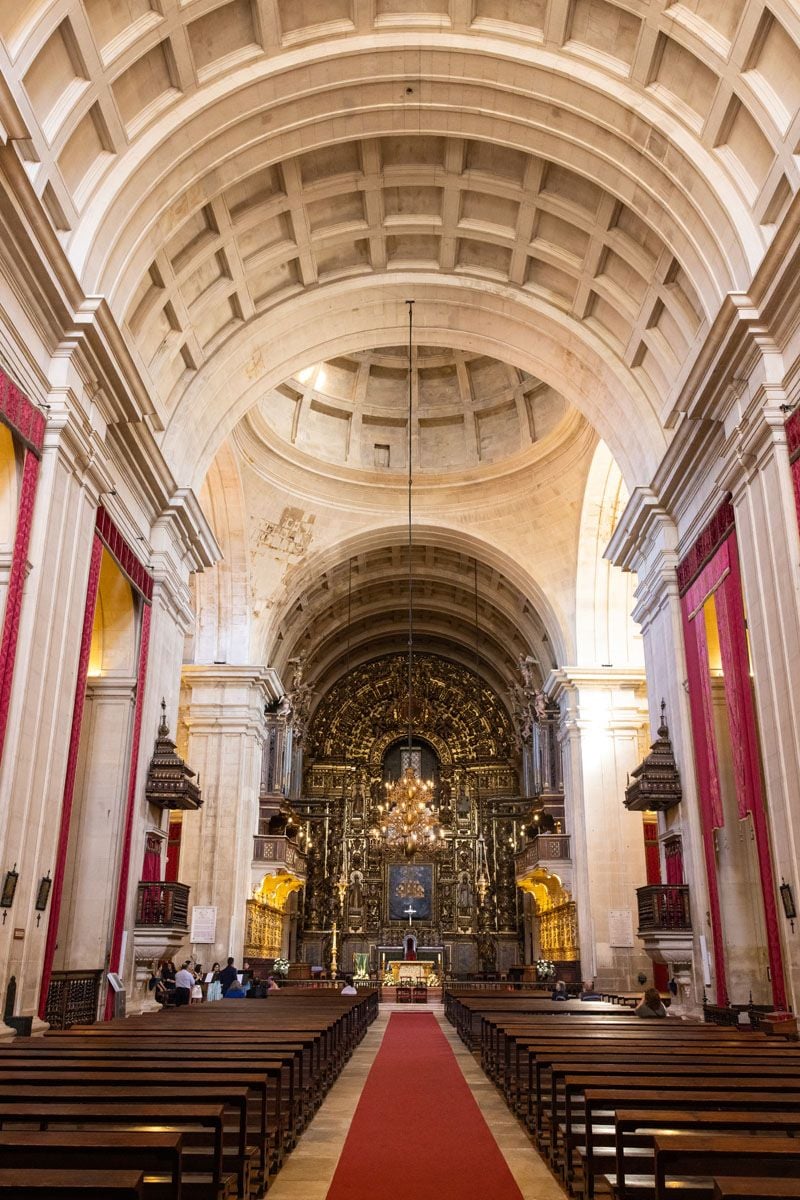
605,633
365,313
221,593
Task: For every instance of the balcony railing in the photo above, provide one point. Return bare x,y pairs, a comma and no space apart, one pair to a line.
276,848
664,907
162,906
547,847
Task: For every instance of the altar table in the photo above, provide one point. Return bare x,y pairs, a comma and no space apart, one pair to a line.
415,972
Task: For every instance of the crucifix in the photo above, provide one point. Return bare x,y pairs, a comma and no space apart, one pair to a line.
410,911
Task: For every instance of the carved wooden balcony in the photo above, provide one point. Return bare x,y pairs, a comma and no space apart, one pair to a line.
162,906
542,850
276,851
664,908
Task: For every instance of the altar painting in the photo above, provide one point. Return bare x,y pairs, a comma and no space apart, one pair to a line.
410,886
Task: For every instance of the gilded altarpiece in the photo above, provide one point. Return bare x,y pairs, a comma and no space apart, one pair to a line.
466,732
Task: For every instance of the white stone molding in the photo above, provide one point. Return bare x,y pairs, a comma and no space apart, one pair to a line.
223,728
602,729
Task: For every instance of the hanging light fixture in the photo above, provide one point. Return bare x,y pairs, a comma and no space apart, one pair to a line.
408,819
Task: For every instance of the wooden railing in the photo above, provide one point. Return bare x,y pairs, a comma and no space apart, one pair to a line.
278,848
72,998
546,847
664,907
162,906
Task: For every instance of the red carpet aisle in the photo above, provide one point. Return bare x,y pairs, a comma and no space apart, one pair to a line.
417,1130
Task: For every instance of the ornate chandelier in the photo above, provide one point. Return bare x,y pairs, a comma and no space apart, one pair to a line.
408,820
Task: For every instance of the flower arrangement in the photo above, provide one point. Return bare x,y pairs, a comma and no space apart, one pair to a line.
280,967
545,969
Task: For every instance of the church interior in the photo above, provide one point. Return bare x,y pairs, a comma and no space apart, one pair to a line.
400,592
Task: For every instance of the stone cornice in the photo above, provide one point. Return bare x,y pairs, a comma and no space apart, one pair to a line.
746,324
644,519
83,332
188,525
237,678
760,431
564,681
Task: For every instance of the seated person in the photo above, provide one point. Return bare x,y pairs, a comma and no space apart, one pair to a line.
235,991
588,992
651,1005
348,989
560,991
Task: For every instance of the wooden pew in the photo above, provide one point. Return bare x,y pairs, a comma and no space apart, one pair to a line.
158,1155
752,1189
638,1126
199,1079
70,1185
687,1154
196,1121
264,1066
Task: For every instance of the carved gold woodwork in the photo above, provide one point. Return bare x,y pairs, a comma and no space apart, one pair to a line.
470,730
265,914
558,933
555,915
276,887
454,710
263,936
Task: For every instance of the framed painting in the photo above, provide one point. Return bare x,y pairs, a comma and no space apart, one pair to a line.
410,891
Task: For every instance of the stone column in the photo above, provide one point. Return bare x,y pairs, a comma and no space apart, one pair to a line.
758,476
95,840
43,692
646,541
603,714
181,542
223,729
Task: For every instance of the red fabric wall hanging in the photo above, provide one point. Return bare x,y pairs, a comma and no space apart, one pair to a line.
713,566
27,425
72,765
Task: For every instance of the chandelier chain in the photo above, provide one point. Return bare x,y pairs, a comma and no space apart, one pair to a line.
410,304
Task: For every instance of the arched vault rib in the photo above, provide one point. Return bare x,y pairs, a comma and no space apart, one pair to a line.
511,605
291,105
459,312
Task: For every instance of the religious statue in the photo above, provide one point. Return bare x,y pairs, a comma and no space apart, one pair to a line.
356,893
526,663
299,695
464,891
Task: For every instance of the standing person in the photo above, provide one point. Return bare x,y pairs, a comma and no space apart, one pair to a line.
184,982
228,976
214,986
651,1005
197,987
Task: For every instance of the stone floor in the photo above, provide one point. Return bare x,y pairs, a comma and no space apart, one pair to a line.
309,1170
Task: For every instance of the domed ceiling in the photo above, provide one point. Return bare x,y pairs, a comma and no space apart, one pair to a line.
468,409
